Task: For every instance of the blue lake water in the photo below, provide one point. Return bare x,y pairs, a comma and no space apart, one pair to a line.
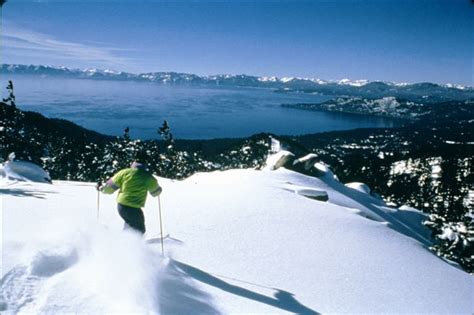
192,112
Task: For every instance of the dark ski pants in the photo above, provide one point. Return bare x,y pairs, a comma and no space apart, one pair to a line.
133,217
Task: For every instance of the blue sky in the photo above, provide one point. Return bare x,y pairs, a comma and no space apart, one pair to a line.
401,41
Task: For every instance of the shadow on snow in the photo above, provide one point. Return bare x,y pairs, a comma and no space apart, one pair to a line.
23,193
281,299
179,295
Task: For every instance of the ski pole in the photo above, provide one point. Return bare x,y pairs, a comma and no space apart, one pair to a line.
98,203
161,227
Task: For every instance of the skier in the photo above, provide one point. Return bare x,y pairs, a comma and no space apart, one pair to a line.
133,184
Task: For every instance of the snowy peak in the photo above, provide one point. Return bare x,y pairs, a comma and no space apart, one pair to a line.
287,79
268,79
353,83
365,88
174,77
169,77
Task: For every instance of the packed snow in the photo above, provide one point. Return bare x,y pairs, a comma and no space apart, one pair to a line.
239,241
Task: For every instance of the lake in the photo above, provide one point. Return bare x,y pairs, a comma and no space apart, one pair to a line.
192,112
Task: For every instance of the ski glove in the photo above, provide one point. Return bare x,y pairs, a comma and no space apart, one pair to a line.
156,192
109,188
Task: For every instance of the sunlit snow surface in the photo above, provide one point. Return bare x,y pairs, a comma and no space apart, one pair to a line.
240,241
12,171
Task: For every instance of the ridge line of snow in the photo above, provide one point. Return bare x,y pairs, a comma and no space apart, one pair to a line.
274,79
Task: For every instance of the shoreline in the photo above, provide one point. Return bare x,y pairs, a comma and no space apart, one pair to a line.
347,112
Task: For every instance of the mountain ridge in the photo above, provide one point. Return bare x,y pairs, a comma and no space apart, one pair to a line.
421,92
168,77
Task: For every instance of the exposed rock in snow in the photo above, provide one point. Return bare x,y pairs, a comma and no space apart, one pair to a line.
408,208
324,170
307,161
280,159
307,164
363,188
309,192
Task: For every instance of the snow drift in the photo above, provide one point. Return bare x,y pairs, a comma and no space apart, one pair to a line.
23,171
241,241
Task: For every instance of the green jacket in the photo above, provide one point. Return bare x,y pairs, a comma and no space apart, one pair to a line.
133,184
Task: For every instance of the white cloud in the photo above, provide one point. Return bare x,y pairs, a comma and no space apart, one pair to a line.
29,43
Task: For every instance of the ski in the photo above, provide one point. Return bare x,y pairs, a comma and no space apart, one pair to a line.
157,239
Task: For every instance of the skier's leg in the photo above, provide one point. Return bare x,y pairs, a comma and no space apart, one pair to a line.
133,218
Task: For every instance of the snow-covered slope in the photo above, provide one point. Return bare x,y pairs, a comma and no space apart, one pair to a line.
241,241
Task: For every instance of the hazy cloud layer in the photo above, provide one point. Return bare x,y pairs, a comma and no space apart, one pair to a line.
24,42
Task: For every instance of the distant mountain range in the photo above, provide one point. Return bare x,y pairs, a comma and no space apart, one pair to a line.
426,92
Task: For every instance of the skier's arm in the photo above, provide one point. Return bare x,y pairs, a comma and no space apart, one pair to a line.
109,187
112,184
154,189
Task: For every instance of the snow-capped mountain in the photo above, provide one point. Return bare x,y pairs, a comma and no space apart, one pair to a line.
353,83
338,87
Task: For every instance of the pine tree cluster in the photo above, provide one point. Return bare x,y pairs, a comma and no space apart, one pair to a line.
455,239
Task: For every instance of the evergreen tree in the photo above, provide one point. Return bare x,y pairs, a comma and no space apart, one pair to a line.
455,239
12,131
11,95
166,135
